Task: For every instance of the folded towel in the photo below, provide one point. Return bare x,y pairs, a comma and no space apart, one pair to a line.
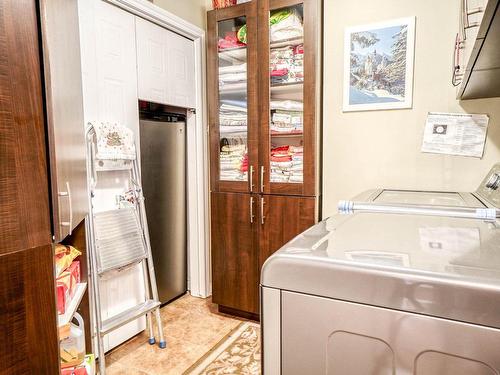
114,142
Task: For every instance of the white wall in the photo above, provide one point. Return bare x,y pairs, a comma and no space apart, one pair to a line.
364,150
194,11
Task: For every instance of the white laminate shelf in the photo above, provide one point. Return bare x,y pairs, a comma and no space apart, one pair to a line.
65,318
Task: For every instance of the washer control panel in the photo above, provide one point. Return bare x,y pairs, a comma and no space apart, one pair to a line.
493,182
490,187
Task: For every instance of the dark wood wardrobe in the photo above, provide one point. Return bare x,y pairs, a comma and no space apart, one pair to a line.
264,99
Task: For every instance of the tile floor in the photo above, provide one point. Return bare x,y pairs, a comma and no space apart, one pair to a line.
192,327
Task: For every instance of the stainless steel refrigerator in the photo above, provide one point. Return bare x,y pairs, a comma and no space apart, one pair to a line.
163,168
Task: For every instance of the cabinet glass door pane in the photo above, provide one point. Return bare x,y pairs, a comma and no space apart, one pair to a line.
233,130
286,95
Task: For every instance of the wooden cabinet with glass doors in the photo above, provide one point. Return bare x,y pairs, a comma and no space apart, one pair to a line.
264,60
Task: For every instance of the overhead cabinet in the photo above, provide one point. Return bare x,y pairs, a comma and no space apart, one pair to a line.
165,66
264,96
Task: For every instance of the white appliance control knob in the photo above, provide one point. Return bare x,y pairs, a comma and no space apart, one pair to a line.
494,181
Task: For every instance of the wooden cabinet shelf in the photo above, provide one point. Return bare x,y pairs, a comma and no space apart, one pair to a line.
264,182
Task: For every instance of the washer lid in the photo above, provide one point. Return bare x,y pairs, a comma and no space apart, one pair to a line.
439,266
428,198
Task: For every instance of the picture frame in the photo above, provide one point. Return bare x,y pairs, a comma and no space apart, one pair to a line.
379,79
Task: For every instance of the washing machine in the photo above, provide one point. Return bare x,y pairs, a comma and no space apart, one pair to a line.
399,283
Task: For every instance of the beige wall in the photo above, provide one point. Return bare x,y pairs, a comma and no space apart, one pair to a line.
194,11
364,150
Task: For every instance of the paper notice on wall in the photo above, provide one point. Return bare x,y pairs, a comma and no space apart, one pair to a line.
455,134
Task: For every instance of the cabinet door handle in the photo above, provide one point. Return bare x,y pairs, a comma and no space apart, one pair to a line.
261,178
251,210
251,178
262,217
67,194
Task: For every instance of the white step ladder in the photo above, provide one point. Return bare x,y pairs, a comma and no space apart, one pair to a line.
119,239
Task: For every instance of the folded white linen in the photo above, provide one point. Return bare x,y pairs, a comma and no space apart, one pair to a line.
114,141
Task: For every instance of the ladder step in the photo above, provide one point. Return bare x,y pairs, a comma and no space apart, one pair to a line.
127,316
118,239
122,266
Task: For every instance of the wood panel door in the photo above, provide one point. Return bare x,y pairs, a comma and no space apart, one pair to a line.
281,219
232,68
289,97
235,278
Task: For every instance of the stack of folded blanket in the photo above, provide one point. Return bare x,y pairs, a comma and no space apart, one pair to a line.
286,117
285,24
232,116
232,76
233,162
287,65
287,164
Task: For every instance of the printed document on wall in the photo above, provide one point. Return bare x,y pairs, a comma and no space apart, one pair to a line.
455,134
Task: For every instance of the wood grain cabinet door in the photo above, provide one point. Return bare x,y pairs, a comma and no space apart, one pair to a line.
232,68
234,251
289,120
281,219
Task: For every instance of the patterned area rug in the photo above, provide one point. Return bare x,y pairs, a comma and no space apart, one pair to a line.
236,354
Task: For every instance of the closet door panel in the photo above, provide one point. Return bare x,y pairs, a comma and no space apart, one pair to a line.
116,66
152,61
109,73
181,71
108,64
235,282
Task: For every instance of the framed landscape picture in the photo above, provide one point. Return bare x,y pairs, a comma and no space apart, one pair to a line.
378,66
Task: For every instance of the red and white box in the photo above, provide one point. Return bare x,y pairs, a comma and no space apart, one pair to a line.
66,286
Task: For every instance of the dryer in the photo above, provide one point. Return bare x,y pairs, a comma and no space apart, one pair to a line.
407,283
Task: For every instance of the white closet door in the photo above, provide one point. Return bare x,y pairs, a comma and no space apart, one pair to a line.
181,73
152,61
110,94
165,66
